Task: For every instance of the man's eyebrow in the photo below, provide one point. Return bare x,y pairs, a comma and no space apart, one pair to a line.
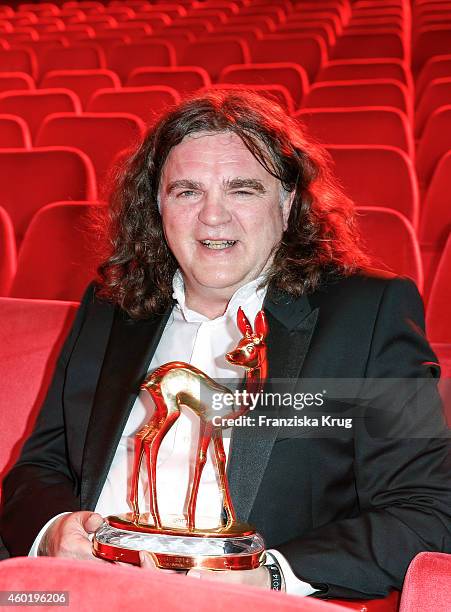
183,184
246,183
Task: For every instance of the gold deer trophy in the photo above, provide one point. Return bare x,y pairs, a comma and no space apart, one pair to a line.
231,545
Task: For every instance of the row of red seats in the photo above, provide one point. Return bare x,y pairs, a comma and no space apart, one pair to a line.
60,239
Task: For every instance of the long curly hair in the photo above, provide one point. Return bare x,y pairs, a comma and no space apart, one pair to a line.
320,242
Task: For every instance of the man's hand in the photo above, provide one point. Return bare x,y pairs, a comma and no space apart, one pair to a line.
68,536
256,577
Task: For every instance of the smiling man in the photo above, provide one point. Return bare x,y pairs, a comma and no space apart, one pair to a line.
225,204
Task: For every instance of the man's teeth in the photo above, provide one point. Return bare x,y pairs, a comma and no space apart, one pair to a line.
218,244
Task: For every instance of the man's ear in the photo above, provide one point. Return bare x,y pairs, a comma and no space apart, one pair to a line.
286,207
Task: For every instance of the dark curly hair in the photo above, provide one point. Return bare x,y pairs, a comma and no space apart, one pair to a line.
320,242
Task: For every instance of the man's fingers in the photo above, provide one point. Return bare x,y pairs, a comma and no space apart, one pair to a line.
91,522
147,561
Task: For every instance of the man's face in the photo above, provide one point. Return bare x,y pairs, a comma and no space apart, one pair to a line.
222,213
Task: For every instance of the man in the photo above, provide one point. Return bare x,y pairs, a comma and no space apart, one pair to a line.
227,204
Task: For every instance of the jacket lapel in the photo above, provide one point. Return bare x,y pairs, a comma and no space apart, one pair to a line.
291,325
129,353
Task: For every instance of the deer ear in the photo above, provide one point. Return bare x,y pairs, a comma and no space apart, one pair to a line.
261,324
243,322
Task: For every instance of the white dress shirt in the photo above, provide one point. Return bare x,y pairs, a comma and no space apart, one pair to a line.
193,338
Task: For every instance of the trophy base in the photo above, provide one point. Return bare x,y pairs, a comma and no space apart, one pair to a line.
233,547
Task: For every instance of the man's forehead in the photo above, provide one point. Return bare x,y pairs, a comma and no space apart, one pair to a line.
224,151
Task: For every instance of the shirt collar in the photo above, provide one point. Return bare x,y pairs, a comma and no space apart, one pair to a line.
246,294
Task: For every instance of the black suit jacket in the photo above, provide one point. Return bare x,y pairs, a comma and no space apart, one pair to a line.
348,509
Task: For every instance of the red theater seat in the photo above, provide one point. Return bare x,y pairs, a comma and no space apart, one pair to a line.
308,51
372,92
15,80
31,336
215,55
184,80
148,103
31,179
14,132
290,75
437,319
75,57
125,58
436,94
18,60
427,583
436,68
430,41
376,125
391,242
82,82
8,253
436,214
362,69
364,44
101,137
57,258
34,106
278,93
434,143
375,175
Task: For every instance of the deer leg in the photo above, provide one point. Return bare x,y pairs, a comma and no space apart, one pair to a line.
221,459
205,431
138,457
152,446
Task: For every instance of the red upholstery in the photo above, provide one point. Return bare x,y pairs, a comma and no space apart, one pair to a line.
376,125
58,257
34,106
430,41
436,94
437,314
288,74
434,143
18,60
31,335
100,136
82,82
278,93
308,51
8,255
371,92
427,584
360,45
104,587
370,68
435,68
145,102
391,242
15,80
360,168
32,179
75,57
125,58
184,80
435,222
14,132
215,55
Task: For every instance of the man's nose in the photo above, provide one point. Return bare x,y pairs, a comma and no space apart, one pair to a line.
214,211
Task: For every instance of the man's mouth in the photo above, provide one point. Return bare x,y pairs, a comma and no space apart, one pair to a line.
218,244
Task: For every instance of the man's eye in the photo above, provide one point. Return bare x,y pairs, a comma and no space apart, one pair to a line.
186,194
242,192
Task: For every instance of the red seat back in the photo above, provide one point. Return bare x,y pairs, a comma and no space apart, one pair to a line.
82,82
427,583
184,80
32,179
58,257
100,136
8,254
14,132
